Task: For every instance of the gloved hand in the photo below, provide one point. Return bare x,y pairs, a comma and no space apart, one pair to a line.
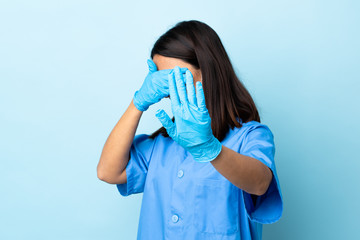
192,126
154,88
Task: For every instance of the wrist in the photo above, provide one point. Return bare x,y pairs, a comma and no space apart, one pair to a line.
132,105
138,102
207,151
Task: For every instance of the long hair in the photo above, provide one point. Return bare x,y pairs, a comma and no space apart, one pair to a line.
226,98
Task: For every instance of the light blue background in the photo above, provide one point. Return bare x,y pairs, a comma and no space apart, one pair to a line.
69,69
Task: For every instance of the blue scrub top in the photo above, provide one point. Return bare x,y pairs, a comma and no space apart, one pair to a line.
185,199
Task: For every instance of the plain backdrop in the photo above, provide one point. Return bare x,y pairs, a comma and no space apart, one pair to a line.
69,69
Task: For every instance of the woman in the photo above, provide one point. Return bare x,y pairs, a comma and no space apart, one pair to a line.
209,172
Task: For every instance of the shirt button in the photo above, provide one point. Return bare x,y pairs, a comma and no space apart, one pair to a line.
175,218
180,173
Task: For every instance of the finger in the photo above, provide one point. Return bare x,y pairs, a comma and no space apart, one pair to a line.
152,66
190,88
180,85
165,121
183,70
161,78
175,102
200,95
166,72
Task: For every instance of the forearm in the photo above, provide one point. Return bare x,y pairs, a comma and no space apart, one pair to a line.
115,153
245,172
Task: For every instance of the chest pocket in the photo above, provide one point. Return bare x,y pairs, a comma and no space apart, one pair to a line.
216,208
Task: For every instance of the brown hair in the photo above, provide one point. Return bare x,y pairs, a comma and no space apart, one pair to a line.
226,97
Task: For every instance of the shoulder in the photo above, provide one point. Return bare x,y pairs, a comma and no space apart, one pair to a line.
257,137
250,131
143,140
256,127
251,127
158,141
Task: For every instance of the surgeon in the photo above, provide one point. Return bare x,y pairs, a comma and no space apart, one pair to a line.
209,171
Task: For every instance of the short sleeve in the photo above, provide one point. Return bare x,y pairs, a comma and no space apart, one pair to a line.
258,143
136,170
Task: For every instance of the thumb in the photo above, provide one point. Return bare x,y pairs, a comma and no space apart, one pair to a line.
165,121
152,66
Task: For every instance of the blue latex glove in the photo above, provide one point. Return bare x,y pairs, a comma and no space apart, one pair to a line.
192,126
154,88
